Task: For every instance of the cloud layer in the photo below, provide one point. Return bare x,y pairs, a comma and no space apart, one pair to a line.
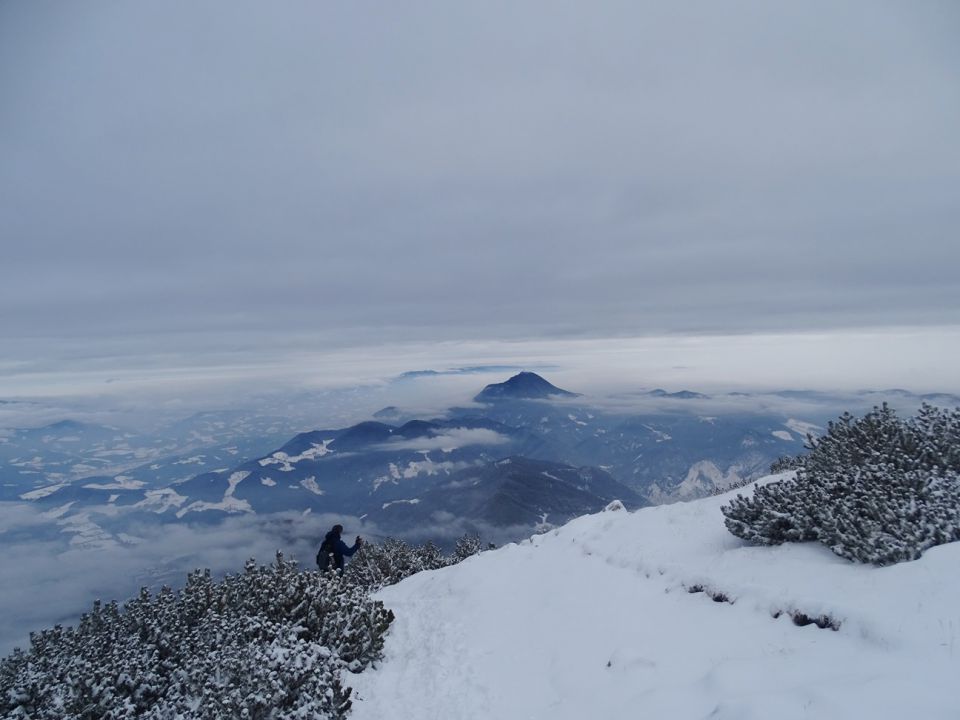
498,170
449,439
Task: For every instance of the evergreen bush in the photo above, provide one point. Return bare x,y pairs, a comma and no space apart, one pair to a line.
785,463
377,565
875,489
266,643
269,643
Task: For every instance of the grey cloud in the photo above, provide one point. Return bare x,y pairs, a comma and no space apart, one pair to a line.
814,407
440,171
449,439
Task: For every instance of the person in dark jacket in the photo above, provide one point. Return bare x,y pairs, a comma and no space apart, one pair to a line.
333,545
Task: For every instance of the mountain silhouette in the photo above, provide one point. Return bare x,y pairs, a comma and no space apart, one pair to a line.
522,386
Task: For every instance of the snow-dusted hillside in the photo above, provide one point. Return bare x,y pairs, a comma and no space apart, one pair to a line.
663,613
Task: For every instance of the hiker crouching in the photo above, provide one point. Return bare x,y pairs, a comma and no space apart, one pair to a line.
333,545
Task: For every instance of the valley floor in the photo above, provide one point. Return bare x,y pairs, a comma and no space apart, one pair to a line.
603,619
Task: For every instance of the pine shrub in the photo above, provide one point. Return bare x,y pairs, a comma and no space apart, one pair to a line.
785,463
378,565
875,489
467,546
266,643
269,643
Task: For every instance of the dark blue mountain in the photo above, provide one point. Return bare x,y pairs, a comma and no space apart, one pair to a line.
522,386
515,491
663,456
681,456
364,434
357,469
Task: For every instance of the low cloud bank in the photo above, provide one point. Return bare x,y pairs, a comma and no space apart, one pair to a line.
451,439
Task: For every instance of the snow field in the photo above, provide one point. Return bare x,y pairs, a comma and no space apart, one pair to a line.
596,619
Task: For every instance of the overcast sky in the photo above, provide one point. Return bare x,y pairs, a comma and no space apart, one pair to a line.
240,175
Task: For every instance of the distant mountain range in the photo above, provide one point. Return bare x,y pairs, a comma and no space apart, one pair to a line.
680,395
527,455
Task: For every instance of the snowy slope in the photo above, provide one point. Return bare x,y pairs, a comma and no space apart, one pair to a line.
597,619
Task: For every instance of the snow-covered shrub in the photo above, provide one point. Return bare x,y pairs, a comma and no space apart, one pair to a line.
875,489
786,462
377,565
270,642
743,482
467,546
267,643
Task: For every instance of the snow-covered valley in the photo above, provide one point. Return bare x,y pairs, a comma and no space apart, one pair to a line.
663,613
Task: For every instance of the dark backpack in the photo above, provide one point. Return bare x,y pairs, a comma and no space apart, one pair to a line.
323,555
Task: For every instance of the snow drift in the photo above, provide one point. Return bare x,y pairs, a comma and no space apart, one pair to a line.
664,613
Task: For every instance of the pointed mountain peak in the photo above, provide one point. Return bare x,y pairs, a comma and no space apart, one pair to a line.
522,386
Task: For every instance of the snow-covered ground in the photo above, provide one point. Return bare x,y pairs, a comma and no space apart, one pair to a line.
597,620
